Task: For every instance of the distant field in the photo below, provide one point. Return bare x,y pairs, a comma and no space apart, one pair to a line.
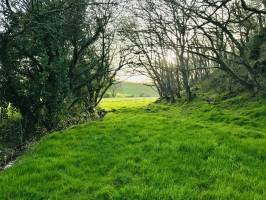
126,89
145,151
120,103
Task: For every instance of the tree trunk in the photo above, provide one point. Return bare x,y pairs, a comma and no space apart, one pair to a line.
185,76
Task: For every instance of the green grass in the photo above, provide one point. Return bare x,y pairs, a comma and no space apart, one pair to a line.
111,104
127,89
149,152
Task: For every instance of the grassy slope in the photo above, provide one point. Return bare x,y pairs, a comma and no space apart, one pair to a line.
135,89
155,152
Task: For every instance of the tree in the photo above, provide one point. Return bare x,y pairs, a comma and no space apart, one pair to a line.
226,29
43,46
160,43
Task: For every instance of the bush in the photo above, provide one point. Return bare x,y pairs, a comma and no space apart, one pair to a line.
219,82
11,132
10,139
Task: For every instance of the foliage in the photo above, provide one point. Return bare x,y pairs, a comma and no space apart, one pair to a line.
176,43
220,82
51,59
10,133
256,50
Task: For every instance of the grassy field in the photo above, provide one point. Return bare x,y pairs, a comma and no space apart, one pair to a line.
150,151
113,104
127,89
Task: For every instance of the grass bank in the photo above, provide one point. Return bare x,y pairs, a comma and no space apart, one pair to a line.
157,151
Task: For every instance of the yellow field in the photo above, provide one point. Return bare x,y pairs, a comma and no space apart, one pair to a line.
119,103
